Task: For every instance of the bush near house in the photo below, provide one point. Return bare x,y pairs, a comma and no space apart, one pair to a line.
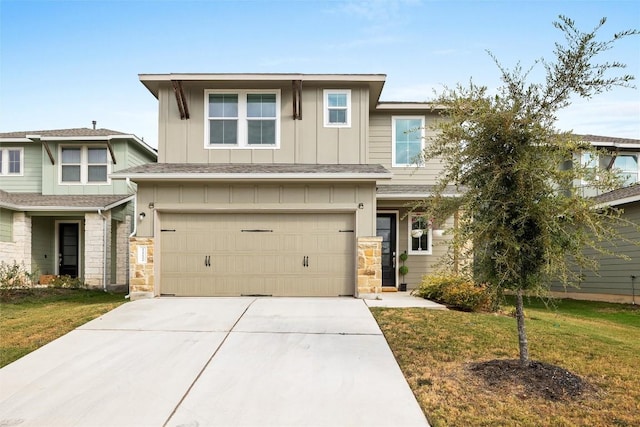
458,292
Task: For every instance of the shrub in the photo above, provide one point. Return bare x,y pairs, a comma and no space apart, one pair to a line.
67,282
458,292
15,276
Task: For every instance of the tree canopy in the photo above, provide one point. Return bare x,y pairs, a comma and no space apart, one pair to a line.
525,220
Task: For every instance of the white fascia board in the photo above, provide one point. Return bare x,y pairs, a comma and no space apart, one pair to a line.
249,176
615,144
30,208
618,202
15,140
140,142
409,106
261,77
119,202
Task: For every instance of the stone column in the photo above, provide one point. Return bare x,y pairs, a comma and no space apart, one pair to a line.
94,249
20,249
369,265
141,273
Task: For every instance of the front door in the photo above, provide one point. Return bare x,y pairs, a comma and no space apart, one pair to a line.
68,248
386,228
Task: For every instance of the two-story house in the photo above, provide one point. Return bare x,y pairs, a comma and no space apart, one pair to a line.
60,212
281,184
618,279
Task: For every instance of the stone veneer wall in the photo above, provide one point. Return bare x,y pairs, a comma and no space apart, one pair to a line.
19,249
141,276
369,265
94,250
122,251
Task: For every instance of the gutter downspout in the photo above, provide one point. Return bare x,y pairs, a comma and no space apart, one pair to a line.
104,250
134,219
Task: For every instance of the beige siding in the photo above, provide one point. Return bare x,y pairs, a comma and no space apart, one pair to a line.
381,146
301,141
210,197
419,265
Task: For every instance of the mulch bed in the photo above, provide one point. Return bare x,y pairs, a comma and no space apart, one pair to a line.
537,380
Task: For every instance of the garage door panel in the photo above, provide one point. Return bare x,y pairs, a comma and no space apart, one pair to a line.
263,254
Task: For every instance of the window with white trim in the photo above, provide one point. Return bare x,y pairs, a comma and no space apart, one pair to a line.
242,119
84,165
420,235
337,108
11,161
408,140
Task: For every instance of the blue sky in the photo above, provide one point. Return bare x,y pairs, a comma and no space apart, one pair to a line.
66,63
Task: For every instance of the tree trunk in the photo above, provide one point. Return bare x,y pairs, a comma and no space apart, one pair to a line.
522,333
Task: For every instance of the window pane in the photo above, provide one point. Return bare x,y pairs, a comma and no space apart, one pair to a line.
261,132
408,140
337,116
337,99
14,161
223,105
70,173
97,155
70,155
628,166
97,174
223,132
261,105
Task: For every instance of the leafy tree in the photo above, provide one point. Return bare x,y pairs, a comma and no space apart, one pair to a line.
525,221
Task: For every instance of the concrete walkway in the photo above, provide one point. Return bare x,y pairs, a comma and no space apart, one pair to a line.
214,362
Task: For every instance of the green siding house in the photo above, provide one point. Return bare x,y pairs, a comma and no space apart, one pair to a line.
617,279
60,211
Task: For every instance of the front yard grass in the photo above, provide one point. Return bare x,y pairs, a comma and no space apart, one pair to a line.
597,341
31,318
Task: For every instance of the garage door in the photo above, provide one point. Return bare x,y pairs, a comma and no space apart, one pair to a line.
257,254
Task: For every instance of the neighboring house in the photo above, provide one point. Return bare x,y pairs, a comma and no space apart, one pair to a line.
60,212
621,154
281,184
617,279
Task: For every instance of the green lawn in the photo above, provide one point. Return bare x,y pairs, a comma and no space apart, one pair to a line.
30,319
600,342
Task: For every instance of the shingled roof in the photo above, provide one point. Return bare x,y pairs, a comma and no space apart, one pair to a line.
77,132
275,170
620,196
37,201
609,139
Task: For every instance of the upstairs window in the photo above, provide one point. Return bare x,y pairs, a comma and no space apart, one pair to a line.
84,165
419,235
627,167
337,108
11,161
408,140
242,119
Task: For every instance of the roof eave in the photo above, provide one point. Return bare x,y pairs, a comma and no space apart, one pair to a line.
252,176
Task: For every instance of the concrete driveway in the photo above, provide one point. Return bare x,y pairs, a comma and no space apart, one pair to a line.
214,362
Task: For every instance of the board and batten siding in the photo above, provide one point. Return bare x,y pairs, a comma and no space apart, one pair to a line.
256,198
51,173
614,274
301,141
31,179
381,146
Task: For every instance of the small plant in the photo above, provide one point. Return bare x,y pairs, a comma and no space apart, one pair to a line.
15,276
403,270
67,282
458,291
